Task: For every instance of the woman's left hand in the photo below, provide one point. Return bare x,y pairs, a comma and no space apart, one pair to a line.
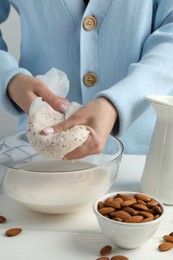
99,116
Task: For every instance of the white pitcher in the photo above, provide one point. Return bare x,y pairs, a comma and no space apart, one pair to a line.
157,178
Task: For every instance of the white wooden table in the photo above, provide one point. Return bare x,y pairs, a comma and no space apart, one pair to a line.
75,236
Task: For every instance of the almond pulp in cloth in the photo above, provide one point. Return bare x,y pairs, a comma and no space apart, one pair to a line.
55,145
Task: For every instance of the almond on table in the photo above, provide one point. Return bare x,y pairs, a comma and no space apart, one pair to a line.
168,238
105,250
13,232
2,219
165,246
119,257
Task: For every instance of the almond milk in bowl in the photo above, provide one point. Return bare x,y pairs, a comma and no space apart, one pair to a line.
54,185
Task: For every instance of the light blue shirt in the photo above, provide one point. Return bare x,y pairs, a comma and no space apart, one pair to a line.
130,50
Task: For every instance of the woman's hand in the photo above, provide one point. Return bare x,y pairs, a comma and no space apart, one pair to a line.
99,116
23,89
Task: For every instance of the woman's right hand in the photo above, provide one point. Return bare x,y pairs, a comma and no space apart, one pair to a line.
23,89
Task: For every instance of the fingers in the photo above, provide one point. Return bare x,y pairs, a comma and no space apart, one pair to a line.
88,115
53,129
93,145
73,120
56,102
23,89
62,126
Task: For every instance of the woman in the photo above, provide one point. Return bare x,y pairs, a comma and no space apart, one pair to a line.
114,53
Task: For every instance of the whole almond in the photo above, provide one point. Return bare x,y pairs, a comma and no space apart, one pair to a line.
101,205
105,250
119,257
141,202
106,210
109,200
140,207
118,219
128,203
158,209
152,203
142,197
106,216
156,216
125,196
146,214
165,246
131,211
2,219
168,238
147,219
134,219
113,203
113,214
171,234
13,232
122,214
151,210
120,200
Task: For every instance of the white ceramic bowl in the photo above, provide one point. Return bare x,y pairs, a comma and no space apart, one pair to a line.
52,185
126,235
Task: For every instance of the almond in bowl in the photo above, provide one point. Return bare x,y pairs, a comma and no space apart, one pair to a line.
128,219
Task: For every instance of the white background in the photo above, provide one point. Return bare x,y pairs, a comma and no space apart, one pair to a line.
11,33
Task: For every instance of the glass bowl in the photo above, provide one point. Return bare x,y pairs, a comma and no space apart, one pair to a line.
55,185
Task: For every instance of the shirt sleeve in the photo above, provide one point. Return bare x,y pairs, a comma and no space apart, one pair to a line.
8,65
153,74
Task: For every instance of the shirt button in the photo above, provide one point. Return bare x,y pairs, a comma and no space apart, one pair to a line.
90,79
89,23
